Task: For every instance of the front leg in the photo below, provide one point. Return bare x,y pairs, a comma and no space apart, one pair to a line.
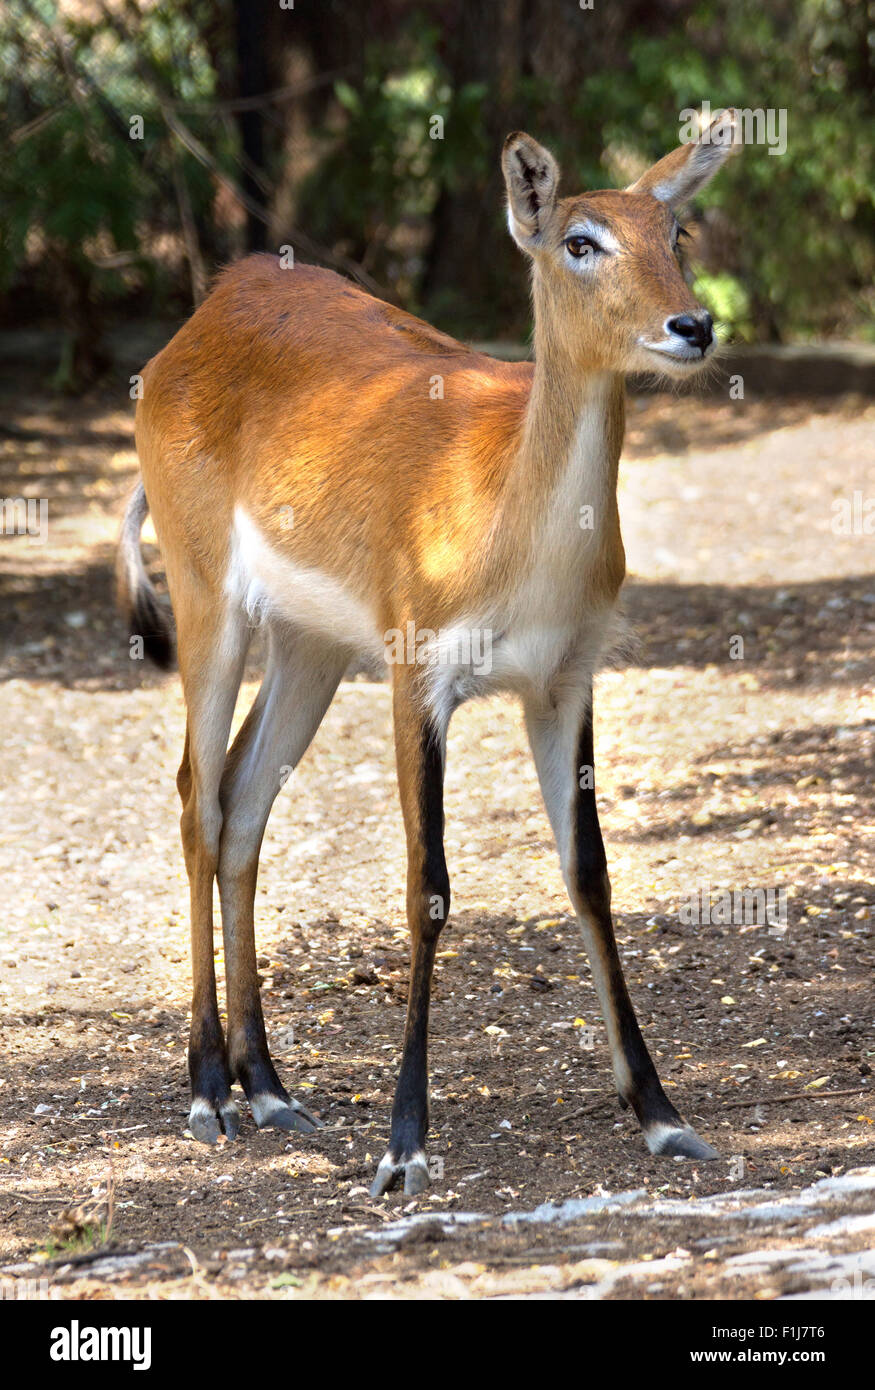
562,743
420,750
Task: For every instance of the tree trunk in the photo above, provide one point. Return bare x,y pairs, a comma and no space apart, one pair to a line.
250,32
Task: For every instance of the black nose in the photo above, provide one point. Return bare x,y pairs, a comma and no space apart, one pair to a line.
696,328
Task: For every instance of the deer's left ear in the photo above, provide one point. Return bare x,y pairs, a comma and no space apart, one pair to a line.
677,177
531,175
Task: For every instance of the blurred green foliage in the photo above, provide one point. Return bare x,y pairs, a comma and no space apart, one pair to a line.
82,203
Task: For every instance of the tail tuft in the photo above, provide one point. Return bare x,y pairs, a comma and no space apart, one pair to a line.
147,618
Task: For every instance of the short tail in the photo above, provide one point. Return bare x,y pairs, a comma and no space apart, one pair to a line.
137,598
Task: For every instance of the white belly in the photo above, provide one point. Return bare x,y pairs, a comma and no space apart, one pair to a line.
545,632
270,586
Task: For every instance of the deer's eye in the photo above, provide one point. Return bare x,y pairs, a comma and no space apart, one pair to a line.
582,246
680,234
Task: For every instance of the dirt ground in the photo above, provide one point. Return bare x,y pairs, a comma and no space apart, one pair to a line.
713,770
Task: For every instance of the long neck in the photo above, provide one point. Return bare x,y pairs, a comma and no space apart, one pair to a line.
570,444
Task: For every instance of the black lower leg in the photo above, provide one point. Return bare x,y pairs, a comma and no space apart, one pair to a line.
410,1108
636,1076
207,1063
248,1053
212,1110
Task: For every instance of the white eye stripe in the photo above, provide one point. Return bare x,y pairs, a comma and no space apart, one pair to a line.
594,231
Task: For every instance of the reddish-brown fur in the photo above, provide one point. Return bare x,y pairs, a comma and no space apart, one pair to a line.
430,484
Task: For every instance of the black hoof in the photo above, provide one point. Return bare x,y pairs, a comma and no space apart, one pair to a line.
413,1169
270,1112
677,1141
208,1119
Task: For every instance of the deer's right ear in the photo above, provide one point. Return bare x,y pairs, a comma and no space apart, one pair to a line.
531,175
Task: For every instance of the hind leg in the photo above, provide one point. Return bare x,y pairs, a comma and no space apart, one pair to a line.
212,650
302,675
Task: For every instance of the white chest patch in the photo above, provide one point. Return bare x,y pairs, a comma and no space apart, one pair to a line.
554,625
521,655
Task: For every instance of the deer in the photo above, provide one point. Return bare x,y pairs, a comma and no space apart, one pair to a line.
304,475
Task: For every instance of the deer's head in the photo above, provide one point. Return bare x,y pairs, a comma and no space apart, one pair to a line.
608,284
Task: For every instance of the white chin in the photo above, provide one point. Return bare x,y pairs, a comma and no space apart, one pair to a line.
671,363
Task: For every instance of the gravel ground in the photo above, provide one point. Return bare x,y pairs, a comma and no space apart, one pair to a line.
715,768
